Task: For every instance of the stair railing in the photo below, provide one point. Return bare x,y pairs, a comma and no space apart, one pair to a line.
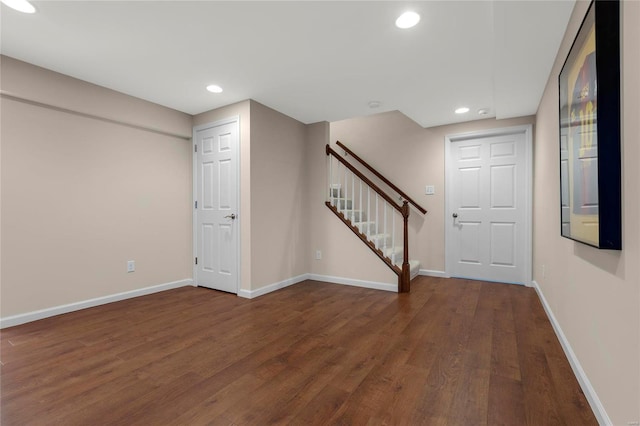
381,177
355,199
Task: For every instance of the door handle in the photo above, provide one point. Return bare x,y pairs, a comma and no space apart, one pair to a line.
455,215
232,216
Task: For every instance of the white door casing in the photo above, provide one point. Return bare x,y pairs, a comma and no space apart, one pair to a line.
564,189
488,205
216,205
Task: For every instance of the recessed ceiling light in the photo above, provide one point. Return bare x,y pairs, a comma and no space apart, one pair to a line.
462,110
20,5
483,111
214,88
407,20
374,104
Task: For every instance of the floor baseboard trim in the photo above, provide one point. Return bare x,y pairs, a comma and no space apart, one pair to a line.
585,384
76,306
353,282
250,294
432,273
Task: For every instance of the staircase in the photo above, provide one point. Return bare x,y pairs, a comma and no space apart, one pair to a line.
374,216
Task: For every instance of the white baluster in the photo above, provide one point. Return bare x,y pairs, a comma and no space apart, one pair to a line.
353,195
330,178
339,190
368,211
385,227
377,239
360,205
393,234
346,191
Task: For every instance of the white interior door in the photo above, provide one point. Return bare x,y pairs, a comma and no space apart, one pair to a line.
216,205
487,221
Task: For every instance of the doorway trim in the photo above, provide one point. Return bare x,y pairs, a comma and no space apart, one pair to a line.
527,130
194,190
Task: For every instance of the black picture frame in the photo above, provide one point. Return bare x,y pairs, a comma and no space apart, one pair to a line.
589,119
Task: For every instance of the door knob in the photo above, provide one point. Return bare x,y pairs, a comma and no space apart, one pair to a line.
455,215
232,216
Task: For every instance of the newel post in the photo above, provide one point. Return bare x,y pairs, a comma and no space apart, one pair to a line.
404,280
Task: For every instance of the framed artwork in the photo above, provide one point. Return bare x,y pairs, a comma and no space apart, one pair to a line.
590,178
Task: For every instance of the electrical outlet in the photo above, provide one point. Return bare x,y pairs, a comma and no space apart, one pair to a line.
318,254
131,266
430,190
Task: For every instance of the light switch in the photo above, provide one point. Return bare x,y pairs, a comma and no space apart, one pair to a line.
430,190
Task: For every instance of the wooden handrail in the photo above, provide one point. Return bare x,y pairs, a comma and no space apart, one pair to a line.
403,272
382,178
365,179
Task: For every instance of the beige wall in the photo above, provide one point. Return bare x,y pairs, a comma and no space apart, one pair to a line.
81,196
273,227
412,157
279,216
242,110
594,294
38,84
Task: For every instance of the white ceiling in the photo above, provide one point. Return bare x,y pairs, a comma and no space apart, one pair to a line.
313,61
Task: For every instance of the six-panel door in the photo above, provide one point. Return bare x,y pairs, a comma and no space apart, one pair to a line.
216,212
487,199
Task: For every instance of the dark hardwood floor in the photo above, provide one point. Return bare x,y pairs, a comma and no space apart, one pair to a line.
451,352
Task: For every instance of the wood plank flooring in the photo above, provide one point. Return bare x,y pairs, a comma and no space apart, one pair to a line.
452,352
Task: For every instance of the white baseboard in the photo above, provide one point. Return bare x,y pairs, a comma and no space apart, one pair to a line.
250,294
76,306
431,273
353,282
585,384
